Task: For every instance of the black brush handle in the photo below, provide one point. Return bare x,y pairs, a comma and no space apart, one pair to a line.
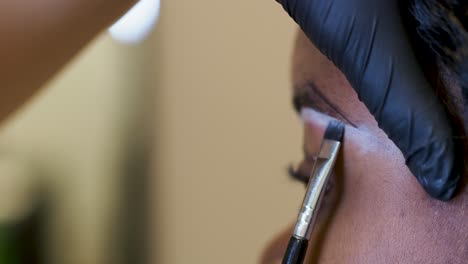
296,251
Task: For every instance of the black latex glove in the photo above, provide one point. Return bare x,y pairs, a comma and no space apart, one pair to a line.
367,41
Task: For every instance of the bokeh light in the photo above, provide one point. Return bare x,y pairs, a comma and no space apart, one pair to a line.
135,26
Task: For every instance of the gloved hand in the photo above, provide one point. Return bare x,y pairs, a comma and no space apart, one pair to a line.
367,41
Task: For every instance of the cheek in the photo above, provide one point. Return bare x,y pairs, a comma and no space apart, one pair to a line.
372,166
373,199
373,186
370,179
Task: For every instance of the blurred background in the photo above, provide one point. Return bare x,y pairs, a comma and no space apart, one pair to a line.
169,150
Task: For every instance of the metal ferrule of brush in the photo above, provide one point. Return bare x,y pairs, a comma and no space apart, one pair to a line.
316,188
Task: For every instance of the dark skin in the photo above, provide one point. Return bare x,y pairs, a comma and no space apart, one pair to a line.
40,37
375,211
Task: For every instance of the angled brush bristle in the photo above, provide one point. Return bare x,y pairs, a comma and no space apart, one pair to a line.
334,131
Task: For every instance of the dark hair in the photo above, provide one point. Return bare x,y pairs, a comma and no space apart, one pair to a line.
441,27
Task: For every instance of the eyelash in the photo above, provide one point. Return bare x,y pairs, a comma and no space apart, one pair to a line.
296,175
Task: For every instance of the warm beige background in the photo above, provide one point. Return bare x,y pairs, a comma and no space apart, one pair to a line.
225,130
224,133
72,140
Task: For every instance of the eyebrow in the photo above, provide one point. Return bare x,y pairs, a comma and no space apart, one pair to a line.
304,99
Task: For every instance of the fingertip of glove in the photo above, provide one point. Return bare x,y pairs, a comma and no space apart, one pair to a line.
443,192
440,187
438,166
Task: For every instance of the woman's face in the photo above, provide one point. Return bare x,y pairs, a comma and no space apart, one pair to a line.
375,211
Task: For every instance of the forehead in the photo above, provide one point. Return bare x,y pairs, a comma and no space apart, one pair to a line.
308,62
316,77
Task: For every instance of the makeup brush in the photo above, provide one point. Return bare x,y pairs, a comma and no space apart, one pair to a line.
318,182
